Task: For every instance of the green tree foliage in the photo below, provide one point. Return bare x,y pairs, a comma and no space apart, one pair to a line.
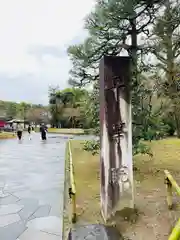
38,115
92,109
11,109
54,106
110,25
166,47
23,111
67,107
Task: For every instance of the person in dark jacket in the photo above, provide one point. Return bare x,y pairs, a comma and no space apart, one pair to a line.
19,130
43,130
29,131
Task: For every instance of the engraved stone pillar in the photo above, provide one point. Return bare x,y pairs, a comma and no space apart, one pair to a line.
116,135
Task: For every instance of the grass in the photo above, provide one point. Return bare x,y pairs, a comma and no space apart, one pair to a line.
86,168
73,131
166,155
6,135
154,219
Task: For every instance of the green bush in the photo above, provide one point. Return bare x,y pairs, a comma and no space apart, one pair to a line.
170,123
142,148
92,146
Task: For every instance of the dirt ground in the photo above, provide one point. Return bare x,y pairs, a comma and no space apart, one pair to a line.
152,220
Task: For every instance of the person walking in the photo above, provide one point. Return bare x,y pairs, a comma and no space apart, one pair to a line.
43,130
29,131
19,130
14,128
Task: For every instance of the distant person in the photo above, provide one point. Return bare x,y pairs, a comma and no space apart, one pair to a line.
19,130
29,131
43,131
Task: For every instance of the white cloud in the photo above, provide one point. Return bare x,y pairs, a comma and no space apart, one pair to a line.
28,24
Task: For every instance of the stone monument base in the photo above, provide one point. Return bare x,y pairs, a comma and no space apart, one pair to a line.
94,232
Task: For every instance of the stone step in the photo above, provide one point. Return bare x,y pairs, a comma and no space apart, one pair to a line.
94,232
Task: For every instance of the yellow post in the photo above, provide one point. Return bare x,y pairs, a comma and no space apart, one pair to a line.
172,181
169,193
74,208
73,187
175,235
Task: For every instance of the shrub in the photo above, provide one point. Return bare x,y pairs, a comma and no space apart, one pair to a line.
92,146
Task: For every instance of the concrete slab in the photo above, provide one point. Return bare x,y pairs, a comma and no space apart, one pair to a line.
49,224
12,231
2,194
8,219
31,234
10,209
30,206
8,199
13,187
42,211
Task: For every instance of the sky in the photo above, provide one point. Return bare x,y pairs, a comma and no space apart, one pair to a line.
34,36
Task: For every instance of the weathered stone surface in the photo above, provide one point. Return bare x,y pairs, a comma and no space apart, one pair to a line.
8,219
2,194
42,211
49,224
32,234
56,209
2,184
13,187
12,231
94,232
30,206
23,194
10,209
8,199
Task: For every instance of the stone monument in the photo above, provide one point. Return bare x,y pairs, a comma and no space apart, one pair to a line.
116,135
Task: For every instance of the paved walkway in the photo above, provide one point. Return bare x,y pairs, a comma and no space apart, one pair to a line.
31,188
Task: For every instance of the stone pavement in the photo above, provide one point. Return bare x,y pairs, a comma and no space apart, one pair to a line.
94,232
31,188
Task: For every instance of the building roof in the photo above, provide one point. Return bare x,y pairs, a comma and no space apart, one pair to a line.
15,120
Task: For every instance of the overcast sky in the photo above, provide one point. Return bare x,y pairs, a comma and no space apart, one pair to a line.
34,35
